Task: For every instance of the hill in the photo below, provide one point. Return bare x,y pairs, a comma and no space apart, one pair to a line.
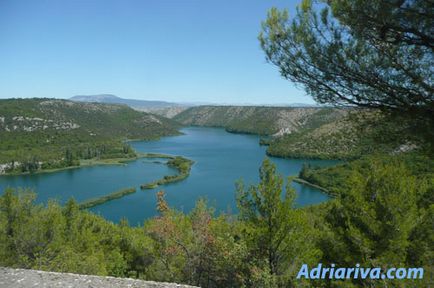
349,137
48,133
262,120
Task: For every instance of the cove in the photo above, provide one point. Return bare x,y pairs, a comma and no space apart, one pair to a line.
221,158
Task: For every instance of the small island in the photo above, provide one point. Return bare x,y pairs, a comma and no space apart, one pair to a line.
183,165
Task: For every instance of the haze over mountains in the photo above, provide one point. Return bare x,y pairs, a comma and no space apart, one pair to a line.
133,103
163,106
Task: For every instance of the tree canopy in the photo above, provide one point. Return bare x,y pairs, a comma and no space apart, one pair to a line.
374,54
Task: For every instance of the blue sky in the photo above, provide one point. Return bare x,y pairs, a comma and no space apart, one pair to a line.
182,51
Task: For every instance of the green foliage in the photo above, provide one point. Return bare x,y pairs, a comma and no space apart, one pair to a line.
335,178
115,195
273,229
375,54
183,165
376,222
57,239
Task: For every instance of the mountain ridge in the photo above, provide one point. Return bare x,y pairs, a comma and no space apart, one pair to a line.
133,103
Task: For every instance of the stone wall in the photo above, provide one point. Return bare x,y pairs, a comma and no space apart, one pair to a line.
22,278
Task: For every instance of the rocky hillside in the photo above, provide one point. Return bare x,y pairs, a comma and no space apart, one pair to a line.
40,130
359,133
101,120
259,120
22,278
168,112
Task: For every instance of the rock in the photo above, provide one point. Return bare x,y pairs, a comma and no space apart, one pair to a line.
23,278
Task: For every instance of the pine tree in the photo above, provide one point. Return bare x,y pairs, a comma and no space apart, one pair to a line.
275,232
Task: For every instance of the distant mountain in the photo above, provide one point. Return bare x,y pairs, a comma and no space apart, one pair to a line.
247,104
143,105
304,105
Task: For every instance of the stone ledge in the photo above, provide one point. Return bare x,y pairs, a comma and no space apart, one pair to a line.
23,278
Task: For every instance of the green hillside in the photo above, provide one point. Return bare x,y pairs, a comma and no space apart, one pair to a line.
48,133
338,139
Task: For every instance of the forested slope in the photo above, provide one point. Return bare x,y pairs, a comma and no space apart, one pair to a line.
358,133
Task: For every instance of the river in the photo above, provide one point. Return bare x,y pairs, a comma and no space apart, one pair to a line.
221,159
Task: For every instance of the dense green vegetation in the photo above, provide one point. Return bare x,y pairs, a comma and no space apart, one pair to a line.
48,134
98,201
384,219
335,178
183,165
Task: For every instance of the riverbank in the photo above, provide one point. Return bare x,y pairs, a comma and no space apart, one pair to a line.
83,163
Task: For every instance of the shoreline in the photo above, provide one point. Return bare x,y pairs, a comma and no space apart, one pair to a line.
123,161
182,164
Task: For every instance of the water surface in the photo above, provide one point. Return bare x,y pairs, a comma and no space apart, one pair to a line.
221,158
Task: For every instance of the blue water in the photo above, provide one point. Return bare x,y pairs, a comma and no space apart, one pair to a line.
221,159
